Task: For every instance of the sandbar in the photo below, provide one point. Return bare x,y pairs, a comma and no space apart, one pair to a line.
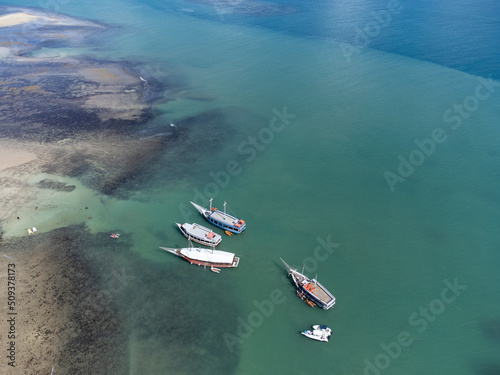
14,156
16,19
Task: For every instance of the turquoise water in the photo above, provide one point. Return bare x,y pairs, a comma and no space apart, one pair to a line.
327,129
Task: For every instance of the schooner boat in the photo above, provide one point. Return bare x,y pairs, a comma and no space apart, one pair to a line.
311,289
221,218
200,234
205,257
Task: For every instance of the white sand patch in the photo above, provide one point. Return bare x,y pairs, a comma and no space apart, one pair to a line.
16,19
14,156
41,19
4,52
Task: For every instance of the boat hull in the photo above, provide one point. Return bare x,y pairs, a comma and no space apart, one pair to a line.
221,219
199,234
325,305
205,257
224,226
316,335
319,333
211,264
311,289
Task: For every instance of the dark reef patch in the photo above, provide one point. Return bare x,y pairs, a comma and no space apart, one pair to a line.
207,134
56,278
55,185
491,331
487,369
53,101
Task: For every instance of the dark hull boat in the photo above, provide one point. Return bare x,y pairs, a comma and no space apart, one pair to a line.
221,218
311,289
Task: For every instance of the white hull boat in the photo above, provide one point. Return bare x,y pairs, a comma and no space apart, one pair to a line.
200,234
214,259
319,333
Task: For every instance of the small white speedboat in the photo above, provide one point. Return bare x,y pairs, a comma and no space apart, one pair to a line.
319,333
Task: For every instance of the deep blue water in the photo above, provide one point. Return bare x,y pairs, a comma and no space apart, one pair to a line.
460,34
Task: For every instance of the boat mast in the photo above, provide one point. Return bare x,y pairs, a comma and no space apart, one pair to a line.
211,204
288,268
224,206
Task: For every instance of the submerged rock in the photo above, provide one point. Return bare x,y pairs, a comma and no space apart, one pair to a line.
53,100
56,185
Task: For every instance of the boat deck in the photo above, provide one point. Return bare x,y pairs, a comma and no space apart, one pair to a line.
320,293
315,289
206,257
200,234
196,229
311,288
223,218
